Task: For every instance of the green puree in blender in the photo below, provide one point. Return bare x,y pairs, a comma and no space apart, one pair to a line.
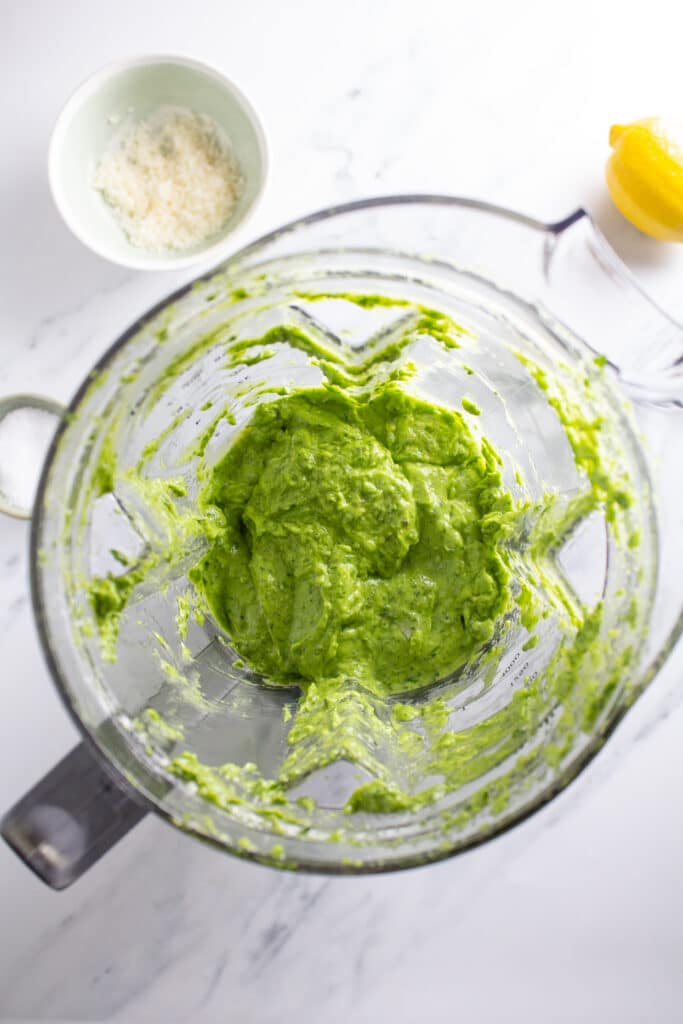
362,540
362,546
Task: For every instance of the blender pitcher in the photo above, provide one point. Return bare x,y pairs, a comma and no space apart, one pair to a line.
167,687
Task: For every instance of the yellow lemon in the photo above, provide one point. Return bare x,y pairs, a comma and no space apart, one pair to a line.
645,177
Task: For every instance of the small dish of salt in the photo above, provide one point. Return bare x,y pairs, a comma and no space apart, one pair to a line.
154,163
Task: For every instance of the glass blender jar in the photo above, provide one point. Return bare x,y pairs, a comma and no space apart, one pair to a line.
554,293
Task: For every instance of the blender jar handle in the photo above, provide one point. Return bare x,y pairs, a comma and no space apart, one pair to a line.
76,812
70,818
27,426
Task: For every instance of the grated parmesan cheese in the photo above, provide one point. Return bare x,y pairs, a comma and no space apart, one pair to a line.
171,179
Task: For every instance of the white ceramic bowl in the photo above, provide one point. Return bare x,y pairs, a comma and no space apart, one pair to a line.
94,113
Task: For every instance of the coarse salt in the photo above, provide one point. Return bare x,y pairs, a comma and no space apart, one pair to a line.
171,179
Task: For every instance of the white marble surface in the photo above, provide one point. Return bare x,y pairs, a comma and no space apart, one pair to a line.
578,914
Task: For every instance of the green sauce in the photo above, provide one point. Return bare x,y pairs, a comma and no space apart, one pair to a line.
360,545
363,540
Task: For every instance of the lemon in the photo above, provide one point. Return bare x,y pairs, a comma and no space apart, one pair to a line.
645,177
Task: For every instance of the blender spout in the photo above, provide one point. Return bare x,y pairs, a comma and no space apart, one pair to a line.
587,286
